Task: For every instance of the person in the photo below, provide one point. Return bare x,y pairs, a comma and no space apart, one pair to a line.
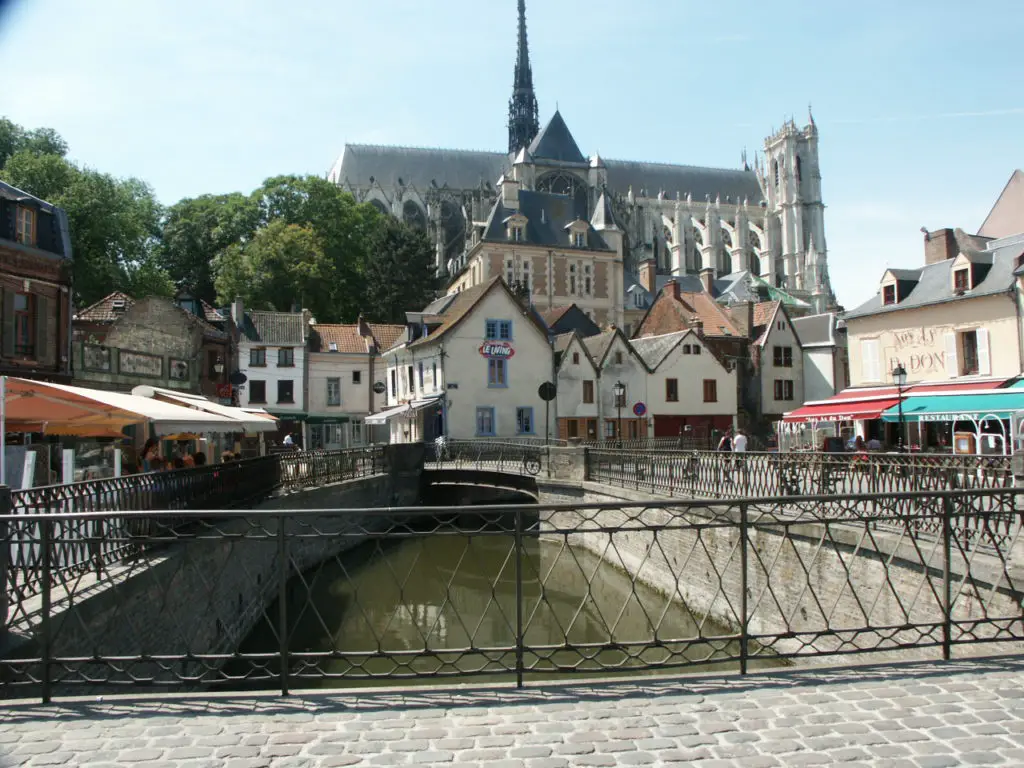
289,441
725,444
177,463
187,461
226,457
199,459
739,443
150,451
874,444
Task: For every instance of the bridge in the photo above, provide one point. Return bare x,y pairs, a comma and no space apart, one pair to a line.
157,580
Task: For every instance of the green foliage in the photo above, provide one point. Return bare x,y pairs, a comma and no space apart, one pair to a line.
114,223
195,230
400,274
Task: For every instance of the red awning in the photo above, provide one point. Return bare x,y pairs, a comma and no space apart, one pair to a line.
843,409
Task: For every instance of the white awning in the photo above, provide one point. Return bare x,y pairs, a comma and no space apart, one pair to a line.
67,408
418,404
380,418
246,421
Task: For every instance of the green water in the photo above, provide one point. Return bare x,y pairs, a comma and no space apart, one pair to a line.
446,603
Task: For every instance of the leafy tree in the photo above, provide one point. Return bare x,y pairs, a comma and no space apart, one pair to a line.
195,230
400,275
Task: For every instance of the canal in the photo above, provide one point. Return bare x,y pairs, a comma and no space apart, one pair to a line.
441,598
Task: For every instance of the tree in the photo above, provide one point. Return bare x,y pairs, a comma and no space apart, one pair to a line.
281,265
195,230
400,275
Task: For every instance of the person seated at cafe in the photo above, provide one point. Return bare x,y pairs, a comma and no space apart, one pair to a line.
178,463
187,461
226,457
199,459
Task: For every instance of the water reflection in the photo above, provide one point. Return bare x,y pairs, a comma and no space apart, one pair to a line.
376,609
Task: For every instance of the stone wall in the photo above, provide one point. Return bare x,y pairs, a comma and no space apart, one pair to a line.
809,578
204,594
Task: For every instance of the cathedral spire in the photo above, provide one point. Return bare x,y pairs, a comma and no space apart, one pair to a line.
523,123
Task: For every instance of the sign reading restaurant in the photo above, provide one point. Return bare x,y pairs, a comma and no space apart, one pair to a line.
496,349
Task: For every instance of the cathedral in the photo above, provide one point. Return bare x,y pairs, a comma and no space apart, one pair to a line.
605,222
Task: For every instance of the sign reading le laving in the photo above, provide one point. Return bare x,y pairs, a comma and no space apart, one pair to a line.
496,349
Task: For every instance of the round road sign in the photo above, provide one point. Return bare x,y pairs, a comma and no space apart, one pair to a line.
639,409
547,391
380,388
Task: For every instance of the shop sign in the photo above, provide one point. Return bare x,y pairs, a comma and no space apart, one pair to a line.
497,349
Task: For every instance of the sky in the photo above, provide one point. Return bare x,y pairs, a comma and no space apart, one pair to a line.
918,102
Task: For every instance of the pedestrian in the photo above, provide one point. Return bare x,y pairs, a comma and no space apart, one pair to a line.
739,443
725,444
199,459
289,442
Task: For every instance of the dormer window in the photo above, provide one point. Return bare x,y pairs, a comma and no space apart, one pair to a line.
515,233
961,280
579,239
332,346
888,294
25,226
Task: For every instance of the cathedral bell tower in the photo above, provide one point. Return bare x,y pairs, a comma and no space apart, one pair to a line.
791,180
523,122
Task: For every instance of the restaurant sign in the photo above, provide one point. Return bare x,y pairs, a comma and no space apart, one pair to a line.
500,349
977,416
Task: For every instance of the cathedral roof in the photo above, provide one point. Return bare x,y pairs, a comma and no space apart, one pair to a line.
547,215
417,166
555,142
648,179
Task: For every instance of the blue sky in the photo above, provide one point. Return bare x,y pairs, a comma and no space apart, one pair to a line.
918,102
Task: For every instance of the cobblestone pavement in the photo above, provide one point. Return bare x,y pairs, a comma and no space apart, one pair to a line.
924,715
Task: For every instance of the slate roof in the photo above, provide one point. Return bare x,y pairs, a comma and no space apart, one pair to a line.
598,345
103,310
555,142
284,328
417,166
654,349
422,167
603,217
547,215
933,283
816,330
701,183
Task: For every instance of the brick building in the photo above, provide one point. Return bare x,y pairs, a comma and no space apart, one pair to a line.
35,287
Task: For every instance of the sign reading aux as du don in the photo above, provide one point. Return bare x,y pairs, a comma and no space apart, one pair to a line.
498,349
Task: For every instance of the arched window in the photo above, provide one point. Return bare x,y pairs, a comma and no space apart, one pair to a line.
380,206
775,170
413,215
798,167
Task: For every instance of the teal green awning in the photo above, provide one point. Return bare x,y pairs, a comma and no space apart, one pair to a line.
999,404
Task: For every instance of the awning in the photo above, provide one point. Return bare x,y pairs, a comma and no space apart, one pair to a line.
383,416
425,403
999,404
63,409
841,410
246,421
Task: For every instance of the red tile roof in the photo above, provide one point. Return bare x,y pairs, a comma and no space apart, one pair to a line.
386,335
673,312
346,338
103,310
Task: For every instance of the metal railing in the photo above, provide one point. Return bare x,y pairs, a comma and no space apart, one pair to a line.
87,546
284,599
491,455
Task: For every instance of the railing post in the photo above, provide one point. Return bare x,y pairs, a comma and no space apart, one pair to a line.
519,597
744,618
947,587
5,555
282,601
45,641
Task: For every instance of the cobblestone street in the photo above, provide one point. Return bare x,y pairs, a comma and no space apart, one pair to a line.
925,715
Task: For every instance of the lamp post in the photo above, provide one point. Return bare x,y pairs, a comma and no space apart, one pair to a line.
620,397
899,376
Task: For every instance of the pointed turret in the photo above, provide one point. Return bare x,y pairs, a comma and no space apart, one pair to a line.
523,121
603,218
555,142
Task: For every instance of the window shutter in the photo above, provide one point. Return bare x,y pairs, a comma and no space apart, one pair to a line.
951,361
41,335
984,362
869,359
8,324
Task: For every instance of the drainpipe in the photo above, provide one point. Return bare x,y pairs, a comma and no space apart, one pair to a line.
1015,298
446,429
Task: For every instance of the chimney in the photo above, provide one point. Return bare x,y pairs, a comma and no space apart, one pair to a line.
648,270
707,279
698,326
509,193
671,289
940,245
237,311
743,315
363,328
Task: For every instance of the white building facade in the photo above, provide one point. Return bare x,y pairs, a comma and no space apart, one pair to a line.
469,367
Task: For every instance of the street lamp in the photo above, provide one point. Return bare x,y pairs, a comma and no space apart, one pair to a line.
218,367
620,398
899,376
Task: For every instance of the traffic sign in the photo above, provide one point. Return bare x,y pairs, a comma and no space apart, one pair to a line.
639,409
379,387
547,391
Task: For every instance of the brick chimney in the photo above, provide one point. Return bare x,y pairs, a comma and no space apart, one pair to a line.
510,193
671,289
940,245
648,271
237,311
363,328
707,279
743,315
